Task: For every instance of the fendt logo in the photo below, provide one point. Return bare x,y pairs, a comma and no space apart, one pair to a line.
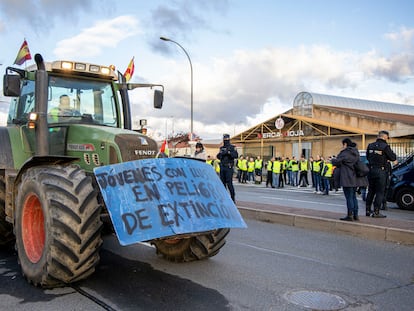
144,152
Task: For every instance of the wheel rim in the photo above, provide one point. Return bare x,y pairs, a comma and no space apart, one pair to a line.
172,241
33,230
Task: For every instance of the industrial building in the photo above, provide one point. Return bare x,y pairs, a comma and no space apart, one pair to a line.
317,123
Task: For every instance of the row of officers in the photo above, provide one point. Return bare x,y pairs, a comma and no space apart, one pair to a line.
284,170
280,170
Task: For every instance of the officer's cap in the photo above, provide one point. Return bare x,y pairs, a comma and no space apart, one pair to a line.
226,136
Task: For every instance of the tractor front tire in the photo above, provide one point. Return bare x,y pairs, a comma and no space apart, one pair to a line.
194,248
57,225
6,228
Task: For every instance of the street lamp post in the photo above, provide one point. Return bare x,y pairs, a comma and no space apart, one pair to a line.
191,67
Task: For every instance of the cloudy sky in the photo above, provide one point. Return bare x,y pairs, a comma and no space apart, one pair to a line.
249,58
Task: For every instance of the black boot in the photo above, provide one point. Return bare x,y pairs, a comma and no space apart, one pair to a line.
356,217
347,217
377,214
368,211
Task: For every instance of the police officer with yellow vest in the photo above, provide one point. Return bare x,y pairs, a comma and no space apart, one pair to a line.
277,169
258,166
239,164
269,169
316,170
326,174
303,168
250,170
295,170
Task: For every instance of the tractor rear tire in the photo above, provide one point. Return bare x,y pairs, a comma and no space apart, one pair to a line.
194,248
6,228
57,225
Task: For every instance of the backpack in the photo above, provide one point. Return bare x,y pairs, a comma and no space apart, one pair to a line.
361,169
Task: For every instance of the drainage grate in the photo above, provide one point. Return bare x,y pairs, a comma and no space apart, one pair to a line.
316,300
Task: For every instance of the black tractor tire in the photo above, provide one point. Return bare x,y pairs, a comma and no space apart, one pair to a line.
6,228
194,248
405,198
57,225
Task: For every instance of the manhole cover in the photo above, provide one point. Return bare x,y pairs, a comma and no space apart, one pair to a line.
316,300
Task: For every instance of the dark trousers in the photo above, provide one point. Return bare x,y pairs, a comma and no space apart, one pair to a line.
351,200
377,179
303,180
269,178
226,176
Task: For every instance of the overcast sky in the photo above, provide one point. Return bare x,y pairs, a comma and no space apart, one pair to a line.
249,58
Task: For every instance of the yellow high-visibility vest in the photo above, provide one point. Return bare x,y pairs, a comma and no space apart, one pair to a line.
244,165
250,166
277,165
258,164
304,165
269,165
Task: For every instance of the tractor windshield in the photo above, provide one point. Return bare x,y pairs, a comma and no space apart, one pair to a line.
81,101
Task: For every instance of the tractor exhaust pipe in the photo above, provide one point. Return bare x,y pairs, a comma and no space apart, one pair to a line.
42,129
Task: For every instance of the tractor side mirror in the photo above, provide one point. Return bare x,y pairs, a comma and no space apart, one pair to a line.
11,85
158,99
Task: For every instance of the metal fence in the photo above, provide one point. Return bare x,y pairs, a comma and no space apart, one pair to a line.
403,150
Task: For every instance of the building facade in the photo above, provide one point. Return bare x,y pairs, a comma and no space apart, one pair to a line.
317,124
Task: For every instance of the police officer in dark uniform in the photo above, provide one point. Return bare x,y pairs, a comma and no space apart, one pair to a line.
378,155
227,155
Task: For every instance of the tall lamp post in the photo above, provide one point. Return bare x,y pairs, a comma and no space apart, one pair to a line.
191,67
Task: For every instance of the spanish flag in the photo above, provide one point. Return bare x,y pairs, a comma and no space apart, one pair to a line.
24,54
130,70
164,148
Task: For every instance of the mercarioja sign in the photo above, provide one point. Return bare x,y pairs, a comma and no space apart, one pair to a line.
283,134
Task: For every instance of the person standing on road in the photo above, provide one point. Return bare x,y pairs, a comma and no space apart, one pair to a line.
250,170
239,168
277,168
387,186
378,154
269,169
316,167
227,155
199,151
295,171
345,162
303,169
258,167
326,175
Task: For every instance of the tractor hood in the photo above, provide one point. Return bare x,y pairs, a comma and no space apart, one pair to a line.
98,145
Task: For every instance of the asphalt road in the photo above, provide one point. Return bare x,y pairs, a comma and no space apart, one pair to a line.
263,267
306,198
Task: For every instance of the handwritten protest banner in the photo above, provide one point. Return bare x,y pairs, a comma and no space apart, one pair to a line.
154,198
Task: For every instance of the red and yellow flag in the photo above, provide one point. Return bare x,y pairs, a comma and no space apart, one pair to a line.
164,148
24,54
130,70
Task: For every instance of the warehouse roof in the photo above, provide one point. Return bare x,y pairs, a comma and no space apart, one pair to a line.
305,100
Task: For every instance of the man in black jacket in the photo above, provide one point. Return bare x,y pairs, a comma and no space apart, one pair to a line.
378,154
227,155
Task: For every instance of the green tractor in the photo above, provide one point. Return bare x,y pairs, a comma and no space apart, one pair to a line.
65,119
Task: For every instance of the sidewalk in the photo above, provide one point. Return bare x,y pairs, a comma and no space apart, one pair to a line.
384,229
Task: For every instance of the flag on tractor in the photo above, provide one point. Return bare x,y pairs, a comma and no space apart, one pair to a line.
24,54
130,70
164,148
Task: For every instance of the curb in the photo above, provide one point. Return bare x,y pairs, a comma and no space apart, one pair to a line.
367,231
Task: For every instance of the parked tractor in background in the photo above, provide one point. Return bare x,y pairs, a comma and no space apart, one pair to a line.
67,118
